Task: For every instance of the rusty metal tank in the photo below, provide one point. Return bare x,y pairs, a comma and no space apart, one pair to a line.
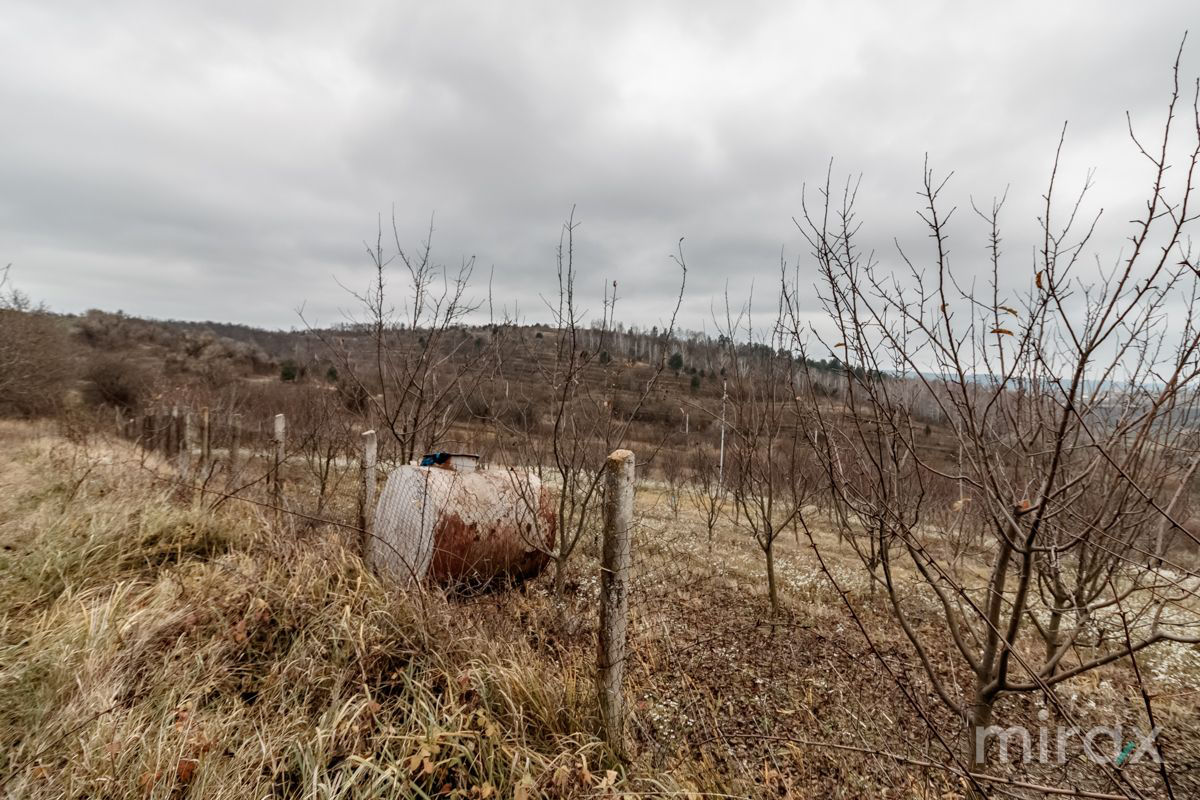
447,521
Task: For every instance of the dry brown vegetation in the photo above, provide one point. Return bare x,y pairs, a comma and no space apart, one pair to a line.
154,646
977,509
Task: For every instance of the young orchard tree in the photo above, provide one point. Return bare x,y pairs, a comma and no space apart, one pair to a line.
1072,404
586,416
407,358
672,467
323,434
705,490
770,479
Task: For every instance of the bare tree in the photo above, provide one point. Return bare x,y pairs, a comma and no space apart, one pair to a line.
1073,403
769,479
584,413
322,434
705,490
417,356
671,466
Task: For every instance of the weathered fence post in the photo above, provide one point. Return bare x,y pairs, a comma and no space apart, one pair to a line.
366,507
185,443
159,445
172,445
235,444
205,439
614,595
280,431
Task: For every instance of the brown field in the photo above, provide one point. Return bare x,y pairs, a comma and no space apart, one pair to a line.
153,646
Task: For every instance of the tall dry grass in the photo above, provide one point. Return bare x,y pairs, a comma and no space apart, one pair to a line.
152,648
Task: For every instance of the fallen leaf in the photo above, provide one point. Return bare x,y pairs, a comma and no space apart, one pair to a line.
201,743
421,762
148,779
185,770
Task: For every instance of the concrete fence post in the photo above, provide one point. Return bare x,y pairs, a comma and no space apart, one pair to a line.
366,507
614,595
276,472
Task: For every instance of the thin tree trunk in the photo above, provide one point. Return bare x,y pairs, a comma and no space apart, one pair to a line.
980,717
772,590
1052,630
560,573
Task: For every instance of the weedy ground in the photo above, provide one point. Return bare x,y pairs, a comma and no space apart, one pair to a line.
152,646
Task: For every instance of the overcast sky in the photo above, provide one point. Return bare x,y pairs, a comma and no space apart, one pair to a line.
226,160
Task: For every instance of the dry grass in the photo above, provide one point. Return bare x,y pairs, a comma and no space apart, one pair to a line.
152,648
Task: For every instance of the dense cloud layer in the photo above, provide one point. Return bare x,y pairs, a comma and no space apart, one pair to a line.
226,160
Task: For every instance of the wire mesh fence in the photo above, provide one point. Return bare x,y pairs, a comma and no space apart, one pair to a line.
707,665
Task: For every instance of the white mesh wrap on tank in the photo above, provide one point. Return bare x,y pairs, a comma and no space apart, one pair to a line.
488,518
402,544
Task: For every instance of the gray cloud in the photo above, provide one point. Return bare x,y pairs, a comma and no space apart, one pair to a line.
226,160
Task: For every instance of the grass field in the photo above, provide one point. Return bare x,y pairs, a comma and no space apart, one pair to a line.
153,647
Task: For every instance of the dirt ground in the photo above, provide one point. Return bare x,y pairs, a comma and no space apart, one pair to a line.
719,681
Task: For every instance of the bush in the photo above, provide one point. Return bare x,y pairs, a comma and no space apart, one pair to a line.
354,397
117,382
36,364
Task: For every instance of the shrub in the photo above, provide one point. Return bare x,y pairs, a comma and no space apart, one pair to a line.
35,355
354,397
115,381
